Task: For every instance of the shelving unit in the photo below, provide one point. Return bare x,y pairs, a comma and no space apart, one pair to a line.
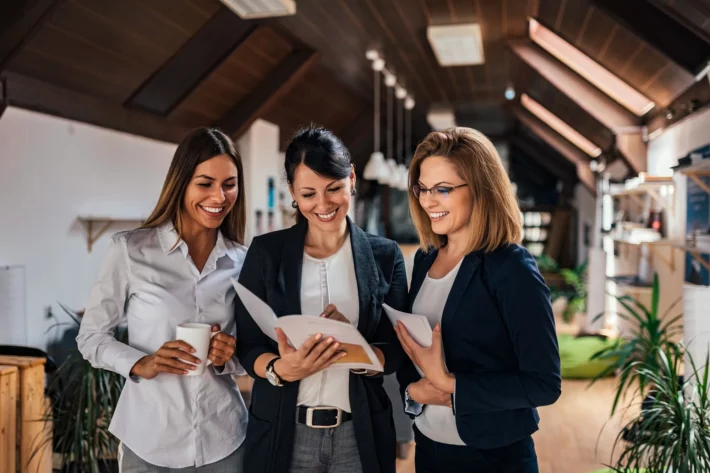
696,171
655,187
97,226
536,229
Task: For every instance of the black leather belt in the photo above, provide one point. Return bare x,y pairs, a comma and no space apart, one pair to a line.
321,417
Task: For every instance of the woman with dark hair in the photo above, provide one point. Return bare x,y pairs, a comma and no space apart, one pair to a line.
306,415
176,269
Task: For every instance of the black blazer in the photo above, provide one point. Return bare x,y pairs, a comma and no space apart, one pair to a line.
272,271
499,340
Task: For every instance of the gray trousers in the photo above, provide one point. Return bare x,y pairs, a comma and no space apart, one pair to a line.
325,450
129,462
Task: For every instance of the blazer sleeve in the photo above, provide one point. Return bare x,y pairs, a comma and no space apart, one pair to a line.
523,300
251,341
385,337
407,373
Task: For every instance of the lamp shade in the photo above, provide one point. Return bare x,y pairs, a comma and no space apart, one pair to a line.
375,166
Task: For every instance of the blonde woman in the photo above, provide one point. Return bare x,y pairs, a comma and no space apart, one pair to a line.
494,357
176,269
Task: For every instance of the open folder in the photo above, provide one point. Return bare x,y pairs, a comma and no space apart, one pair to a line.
299,328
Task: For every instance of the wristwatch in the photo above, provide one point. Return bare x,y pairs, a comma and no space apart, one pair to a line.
271,375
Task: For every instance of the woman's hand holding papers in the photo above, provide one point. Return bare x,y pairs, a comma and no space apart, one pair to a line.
429,360
316,354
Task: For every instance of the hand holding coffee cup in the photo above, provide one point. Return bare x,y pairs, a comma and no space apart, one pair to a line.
168,359
222,346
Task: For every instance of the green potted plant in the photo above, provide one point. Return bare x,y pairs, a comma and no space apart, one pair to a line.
653,335
673,433
83,402
574,289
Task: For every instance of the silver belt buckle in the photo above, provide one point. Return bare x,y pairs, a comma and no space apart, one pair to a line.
309,417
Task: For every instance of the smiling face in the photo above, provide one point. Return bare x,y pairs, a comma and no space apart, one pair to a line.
323,201
449,214
211,193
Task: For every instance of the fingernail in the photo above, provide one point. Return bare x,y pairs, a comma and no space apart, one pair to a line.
336,345
192,350
330,339
193,367
318,337
342,355
198,361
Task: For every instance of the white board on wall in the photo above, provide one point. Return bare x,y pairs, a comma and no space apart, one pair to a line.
13,294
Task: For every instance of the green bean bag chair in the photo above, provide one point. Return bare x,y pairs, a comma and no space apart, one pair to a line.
575,354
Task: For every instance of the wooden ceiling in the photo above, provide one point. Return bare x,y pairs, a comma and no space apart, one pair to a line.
158,68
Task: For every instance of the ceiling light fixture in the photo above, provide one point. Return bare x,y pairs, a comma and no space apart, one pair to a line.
561,127
586,67
251,9
457,45
376,168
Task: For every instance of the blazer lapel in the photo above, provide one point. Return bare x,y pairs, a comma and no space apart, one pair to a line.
419,276
468,268
367,279
291,268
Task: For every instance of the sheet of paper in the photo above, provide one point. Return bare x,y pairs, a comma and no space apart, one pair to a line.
259,310
360,355
298,328
417,325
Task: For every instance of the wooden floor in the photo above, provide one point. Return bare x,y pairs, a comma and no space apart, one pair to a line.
576,435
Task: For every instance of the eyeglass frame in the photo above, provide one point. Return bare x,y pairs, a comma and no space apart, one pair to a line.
424,190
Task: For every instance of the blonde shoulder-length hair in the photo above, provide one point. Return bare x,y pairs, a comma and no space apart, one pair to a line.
495,220
195,148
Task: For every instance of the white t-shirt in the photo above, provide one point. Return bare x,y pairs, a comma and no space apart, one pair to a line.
327,281
437,422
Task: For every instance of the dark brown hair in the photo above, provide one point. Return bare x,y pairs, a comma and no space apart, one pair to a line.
195,148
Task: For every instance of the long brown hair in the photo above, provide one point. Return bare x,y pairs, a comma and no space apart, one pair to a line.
495,219
195,148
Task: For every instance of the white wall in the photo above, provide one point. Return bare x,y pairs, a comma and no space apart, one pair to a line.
677,141
51,171
259,148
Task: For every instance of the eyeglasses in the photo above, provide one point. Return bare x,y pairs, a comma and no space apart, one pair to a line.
436,191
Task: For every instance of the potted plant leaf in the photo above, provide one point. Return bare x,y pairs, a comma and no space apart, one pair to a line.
83,402
673,433
574,289
650,336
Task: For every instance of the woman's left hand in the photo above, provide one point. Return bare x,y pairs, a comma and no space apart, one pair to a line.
222,347
331,312
429,360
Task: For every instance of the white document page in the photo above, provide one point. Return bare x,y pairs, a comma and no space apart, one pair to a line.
417,325
298,328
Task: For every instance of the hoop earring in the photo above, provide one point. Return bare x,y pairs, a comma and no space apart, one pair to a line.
294,204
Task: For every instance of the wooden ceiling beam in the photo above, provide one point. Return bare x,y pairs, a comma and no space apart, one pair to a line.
561,145
672,38
595,102
194,61
557,167
19,21
33,94
260,100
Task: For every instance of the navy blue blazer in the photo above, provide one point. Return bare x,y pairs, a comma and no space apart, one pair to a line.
499,340
272,271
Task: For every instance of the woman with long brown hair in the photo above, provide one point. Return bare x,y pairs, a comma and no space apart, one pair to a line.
174,270
494,357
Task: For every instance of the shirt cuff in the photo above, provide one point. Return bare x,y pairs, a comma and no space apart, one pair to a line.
126,357
232,367
411,406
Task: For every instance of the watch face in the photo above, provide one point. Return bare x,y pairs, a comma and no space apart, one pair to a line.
272,378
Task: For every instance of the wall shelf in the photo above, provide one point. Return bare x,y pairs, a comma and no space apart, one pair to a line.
654,189
653,249
97,226
698,170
